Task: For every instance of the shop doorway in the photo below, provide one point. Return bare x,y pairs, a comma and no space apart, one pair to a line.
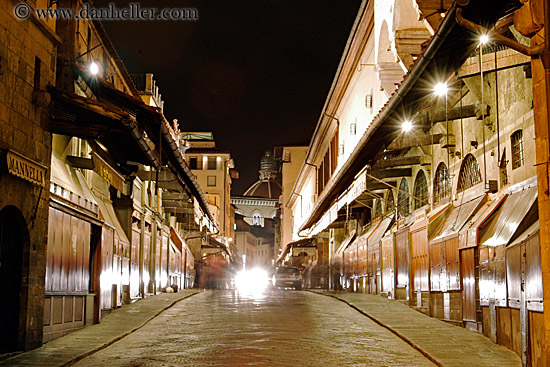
13,237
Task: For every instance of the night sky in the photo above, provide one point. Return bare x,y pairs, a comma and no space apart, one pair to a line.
256,73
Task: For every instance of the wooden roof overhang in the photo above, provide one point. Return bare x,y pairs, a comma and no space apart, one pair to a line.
74,115
443,55
136,132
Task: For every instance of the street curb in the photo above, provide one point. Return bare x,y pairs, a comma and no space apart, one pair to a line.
389,328
87,354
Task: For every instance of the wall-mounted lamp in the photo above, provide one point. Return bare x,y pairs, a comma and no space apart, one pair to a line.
440,89
406,126
483,39
94,68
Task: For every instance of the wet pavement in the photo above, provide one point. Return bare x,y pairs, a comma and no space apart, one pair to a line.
275,328
271,328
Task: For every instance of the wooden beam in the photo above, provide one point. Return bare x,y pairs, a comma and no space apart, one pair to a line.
175,210
170,185
388,173
426,119
374,186
505,59
396,162
164,175
414,141
80,162
176,196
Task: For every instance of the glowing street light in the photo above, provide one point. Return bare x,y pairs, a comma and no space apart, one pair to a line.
483,39
440,89
406,126
94,69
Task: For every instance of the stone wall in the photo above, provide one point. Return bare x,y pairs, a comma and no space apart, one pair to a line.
22,129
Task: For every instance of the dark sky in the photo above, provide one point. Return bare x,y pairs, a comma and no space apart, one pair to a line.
256,73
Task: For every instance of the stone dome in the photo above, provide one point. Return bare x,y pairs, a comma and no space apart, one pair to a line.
267,186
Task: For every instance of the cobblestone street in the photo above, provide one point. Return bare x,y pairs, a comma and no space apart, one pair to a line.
279,328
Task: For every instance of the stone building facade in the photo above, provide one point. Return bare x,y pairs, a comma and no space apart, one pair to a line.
27,68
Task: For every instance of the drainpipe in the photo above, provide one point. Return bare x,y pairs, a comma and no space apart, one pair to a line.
545,59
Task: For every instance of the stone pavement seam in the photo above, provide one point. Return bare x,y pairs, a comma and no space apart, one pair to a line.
82,356
389,328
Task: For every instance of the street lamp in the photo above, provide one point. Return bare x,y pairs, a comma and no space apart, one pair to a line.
440,89
94,68
406,126
483,39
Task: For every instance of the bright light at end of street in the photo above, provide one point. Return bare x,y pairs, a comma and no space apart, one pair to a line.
407,126
440,89
253,281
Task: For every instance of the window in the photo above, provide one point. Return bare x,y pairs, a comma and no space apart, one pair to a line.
442,183
403,198
420,190
470,174
517,149
286,156
37,67
211,181
256,219
211,163
193,163
368,100
353,128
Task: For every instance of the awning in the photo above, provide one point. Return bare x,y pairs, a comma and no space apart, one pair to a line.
379,232
535,227
365,237
505,222
66,184
345,243
176,239
459,216
468,236
215,243
306,242
107,214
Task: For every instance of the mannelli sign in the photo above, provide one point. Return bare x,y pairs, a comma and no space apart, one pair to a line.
23,167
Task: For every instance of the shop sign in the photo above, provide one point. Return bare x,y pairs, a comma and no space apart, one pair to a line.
108,173
26,169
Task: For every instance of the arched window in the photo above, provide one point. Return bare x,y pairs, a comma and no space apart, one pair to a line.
470,175
420,190
390,202
403,198
256,219
377,209
518,158
442,183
